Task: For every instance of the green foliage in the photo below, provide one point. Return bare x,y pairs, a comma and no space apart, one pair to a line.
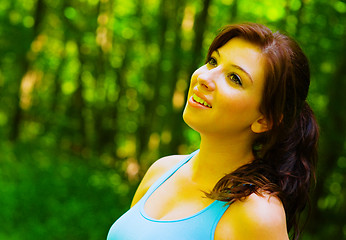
47,194
92,93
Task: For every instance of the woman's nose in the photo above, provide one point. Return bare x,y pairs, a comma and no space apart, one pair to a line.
207,80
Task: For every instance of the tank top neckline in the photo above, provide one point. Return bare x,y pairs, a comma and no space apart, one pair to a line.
159,182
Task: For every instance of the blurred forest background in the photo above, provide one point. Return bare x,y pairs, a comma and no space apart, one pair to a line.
92,91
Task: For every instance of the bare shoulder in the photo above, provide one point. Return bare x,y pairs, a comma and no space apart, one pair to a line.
156,170
257,217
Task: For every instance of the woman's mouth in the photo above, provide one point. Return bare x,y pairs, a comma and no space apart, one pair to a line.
200,101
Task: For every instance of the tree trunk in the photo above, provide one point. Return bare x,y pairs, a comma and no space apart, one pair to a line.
173,122
234,11
25,66
104,136
152,75
199,29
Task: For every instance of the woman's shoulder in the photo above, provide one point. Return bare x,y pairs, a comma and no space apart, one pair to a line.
165,163
155,171
256,217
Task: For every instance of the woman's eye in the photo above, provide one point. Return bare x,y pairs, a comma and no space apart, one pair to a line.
212,61
235,78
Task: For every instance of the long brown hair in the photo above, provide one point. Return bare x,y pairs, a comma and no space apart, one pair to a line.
286,155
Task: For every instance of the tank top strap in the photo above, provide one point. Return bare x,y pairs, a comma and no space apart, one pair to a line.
219,208
167,175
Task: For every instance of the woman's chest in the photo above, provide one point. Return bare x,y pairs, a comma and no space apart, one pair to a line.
175,199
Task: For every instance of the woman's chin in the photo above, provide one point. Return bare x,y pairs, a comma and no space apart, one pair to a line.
194,123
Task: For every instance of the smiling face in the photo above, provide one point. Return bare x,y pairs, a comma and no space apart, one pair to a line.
225,94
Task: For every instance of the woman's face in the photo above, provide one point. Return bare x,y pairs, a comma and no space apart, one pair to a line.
225,94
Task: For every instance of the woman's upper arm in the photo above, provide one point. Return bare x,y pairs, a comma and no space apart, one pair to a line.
155,172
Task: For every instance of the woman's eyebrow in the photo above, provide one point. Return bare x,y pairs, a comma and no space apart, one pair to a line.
238,67
243,70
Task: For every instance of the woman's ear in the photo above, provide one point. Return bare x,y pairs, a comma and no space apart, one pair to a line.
260,125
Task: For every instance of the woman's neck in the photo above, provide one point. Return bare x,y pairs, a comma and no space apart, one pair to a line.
217,157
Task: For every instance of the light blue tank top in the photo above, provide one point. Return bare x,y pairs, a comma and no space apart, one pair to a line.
135,224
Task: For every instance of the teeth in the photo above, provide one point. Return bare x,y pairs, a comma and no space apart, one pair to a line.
200,100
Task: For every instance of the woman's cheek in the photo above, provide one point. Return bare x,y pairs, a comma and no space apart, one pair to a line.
239,104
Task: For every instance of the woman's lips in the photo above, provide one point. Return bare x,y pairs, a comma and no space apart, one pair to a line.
197,102
200,100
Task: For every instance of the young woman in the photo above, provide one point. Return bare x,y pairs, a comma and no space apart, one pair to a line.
251,176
